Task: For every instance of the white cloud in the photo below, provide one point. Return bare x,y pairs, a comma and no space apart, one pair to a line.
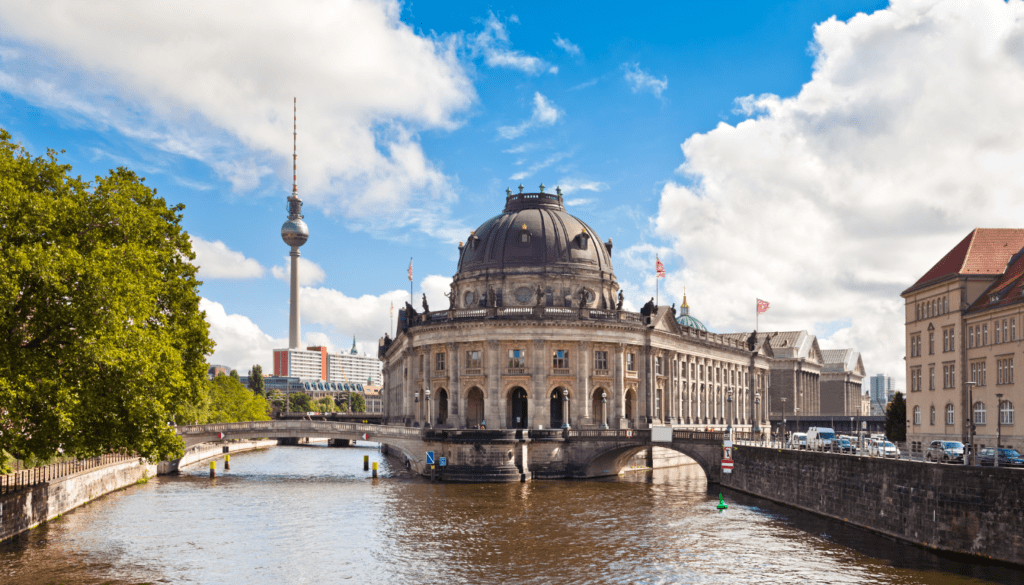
493,43
639,80
310,273
569,185
567,45
240,342
578,201
545,113
216,260
366,82
554,158
830,203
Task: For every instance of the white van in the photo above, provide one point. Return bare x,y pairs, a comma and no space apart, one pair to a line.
798,441
820,438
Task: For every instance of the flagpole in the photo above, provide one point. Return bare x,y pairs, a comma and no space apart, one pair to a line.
410,282
757,316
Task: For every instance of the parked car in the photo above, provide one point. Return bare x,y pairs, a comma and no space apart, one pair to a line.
798,440
884,449
945,451
820,438
845,445
1007,457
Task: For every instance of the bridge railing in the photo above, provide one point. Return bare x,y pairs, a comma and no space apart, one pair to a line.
688,435
270,426
632,434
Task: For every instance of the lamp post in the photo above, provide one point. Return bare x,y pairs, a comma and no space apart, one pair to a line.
999,427
728,427
853,427
783,421
604,409
757,407
970,423
426,396
565,408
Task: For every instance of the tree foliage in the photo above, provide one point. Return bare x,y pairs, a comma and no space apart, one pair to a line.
230,401
358,403
896,419
256,382
102,339
299,402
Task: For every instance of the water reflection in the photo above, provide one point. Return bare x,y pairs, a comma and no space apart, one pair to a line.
311,515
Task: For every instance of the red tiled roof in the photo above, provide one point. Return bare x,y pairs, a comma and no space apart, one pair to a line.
1007,287
983,251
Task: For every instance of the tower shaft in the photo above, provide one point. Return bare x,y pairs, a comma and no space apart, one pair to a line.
294,326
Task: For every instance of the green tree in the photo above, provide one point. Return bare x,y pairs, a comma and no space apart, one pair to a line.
234,374
256,382
103,343
896,419
230,401
325,404
358,403
342,403
299,402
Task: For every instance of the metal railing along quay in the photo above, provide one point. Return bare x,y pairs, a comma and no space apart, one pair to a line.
26,478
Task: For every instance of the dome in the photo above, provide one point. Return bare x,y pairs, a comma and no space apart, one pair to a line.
535,243
294,232
534,230
687,320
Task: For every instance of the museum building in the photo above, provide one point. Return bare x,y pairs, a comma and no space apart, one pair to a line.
535,337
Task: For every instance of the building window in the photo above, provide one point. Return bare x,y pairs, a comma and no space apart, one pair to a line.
949,414
952,339
1006,330
995,334
918,312
473,359
657,366
1006,413
931,417
560,359
917,415
516,358
952,375
600,360
439,362
631,362
931,377
1013,329
979,413
945,340
931,343
984,334
970,337
945,376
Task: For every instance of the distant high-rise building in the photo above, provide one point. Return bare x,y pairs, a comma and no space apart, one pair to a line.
882,389
315,363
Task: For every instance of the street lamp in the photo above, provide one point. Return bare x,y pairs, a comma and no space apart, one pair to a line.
604,409
853,427
565,408
783,421
970,425
728,398
426,396
757,405
999,427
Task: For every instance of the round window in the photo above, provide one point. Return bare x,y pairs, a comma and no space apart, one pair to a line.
468,299
524,294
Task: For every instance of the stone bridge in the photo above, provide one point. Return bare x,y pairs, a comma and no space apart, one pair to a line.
479,455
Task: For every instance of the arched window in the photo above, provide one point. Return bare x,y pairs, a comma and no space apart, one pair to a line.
931,419
1006,413
950,419
917,415
979,413
474,408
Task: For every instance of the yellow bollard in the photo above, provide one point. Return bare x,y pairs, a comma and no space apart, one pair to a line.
374,470
213,469
227,462
366,463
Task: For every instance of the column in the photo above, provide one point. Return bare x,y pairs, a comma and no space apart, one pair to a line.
492,410
540,404
583,382
618,383
453,380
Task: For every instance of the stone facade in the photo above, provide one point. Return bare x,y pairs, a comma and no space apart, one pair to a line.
842,383
562,355
796,367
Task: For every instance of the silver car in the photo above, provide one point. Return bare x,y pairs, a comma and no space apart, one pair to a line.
945,451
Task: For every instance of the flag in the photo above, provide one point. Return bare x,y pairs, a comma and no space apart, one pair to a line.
762,306
659,267
410,269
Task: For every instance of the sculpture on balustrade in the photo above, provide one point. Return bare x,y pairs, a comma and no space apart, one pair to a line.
648,308
451,297
426,307
618,305
583,297
540,296
491,298
752,341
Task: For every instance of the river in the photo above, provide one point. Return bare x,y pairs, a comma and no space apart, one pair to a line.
310,514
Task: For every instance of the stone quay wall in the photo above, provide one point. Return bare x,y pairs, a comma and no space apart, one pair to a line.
28,508
207,451
969,510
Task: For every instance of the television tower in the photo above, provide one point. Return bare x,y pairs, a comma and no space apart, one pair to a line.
294,233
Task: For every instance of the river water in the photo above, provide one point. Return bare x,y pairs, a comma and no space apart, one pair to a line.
311,515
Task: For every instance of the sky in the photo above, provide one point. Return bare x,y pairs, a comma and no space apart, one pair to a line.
818,155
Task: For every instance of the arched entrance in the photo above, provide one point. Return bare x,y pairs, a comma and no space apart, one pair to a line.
517,416
558,418
597,412
442,406
474,407
629,408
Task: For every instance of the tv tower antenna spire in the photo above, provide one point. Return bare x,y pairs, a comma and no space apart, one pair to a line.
294,232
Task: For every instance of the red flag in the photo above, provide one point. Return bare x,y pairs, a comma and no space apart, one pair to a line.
410,269
659,267
762,306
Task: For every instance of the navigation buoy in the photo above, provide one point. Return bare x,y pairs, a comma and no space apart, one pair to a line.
374,470
227,463
721,503
213,469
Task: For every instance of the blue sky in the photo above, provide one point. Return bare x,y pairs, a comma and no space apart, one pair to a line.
820,155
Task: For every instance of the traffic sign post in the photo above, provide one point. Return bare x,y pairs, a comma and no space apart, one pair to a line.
726,465
443,461
430,457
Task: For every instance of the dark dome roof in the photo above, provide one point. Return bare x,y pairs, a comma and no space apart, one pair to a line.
554,240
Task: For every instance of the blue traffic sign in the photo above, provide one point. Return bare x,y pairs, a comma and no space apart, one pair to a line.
444,461
430,457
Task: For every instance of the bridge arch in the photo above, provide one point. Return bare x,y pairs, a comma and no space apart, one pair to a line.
610,459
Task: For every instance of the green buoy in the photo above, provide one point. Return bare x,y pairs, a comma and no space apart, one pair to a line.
721,503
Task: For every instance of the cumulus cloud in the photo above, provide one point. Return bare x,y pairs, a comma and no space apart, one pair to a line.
366,82
310,273
567,46
240,342
579,201
494,45
831,202
640,80
545,113
216,260
570,185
